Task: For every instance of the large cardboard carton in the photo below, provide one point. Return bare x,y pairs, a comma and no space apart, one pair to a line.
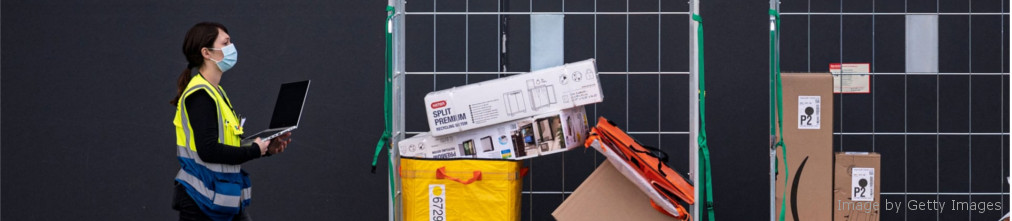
856,186
808,134
510,98
607,195
548,133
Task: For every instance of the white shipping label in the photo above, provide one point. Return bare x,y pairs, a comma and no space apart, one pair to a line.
851,78
862,184
809,112
437,202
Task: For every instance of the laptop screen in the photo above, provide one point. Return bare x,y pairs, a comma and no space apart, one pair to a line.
289,105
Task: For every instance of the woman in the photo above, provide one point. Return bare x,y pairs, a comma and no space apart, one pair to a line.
210,184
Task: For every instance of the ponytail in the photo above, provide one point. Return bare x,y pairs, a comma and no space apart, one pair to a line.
184,79
201,35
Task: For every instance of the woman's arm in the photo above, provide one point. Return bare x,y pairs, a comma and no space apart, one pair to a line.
203,116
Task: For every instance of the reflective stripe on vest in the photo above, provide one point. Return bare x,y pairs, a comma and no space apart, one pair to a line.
186,153
201,188
220,190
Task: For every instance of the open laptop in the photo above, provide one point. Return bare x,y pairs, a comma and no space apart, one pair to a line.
287,112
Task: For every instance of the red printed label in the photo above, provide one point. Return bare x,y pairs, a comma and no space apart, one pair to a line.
438,104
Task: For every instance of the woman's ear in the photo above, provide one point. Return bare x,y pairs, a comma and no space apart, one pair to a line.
206,53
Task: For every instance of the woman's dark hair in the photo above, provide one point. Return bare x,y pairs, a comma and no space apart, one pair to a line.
202,35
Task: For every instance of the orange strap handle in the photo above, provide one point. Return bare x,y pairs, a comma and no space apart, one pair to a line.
441,174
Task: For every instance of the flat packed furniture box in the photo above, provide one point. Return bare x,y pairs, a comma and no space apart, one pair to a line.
552,132
808,134
514,97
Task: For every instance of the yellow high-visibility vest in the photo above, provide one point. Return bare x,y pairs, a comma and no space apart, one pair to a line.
220,190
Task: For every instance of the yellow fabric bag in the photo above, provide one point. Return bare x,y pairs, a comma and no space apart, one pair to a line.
461,189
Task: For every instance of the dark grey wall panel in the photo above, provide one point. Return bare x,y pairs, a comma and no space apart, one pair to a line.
87,132
737,82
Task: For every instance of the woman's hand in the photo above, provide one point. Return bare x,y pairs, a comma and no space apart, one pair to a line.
263,144
278,144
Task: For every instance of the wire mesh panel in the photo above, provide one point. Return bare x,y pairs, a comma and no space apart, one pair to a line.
937,105
642,52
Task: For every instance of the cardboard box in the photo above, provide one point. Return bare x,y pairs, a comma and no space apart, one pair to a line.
543,134
515,97
856,186
808,134
607,195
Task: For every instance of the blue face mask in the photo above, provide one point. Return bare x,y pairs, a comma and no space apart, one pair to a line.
231,57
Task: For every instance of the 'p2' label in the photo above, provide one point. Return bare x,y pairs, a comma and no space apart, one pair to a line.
437,202
809,112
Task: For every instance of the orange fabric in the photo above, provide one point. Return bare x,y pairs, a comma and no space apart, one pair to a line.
667,181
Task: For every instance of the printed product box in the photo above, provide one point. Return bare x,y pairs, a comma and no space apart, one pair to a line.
510,98
543,134
856,186
808,134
